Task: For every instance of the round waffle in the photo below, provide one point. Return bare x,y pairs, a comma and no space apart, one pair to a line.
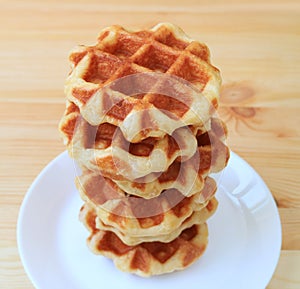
148,258
197,217
136,216
148,83
103,148
92,148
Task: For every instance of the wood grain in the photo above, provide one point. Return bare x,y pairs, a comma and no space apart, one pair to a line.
287,272
255,44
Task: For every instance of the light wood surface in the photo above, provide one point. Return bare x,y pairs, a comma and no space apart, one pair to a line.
255,44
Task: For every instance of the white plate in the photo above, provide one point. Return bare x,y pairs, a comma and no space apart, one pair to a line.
244,237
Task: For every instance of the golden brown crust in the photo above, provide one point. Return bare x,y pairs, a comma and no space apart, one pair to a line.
147,258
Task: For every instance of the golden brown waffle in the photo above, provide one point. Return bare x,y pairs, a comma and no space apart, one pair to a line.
138,216
104,148
92,148
164,54
148,258
197,217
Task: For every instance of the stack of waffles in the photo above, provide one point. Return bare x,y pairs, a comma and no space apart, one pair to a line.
140,122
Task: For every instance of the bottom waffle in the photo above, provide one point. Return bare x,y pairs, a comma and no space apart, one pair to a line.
148,258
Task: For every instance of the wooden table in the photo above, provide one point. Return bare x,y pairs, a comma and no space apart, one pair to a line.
256,45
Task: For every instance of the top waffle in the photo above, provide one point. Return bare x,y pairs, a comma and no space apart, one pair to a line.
141,81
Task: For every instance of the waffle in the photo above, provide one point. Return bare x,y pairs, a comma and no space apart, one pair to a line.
160,65
104,148
187,177
148,258
197,217
137,216
93,149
